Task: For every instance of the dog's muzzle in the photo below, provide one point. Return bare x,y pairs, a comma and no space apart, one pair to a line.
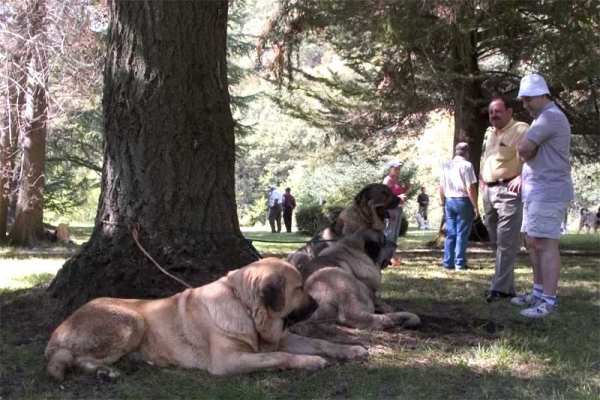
302,313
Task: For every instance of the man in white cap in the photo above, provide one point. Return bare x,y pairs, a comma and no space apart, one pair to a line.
275,207
547,190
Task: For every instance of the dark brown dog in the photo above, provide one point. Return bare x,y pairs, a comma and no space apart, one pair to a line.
233,325
344,278
368,210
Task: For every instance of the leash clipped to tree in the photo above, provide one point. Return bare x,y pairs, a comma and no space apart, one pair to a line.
135,233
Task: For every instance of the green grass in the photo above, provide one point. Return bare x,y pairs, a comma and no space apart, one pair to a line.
465,349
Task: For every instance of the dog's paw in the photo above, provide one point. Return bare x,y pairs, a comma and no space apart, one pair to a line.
357,352
106,374
312,363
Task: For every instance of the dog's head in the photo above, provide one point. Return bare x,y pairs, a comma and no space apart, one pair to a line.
378,197
278,288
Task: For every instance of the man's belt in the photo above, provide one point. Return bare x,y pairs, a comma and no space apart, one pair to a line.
499,182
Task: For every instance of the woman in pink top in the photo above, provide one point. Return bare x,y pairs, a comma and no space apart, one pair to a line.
392,230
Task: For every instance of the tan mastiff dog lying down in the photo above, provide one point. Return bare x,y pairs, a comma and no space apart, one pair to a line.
233,325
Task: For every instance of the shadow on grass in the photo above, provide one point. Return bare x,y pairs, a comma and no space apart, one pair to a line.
466,348
404,375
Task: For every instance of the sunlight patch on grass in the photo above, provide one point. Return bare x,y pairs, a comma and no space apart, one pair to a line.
502,356
23,274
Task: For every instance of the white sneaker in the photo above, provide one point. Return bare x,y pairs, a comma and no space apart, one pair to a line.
541,309
527,299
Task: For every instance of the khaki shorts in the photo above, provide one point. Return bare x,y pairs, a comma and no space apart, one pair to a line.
543,220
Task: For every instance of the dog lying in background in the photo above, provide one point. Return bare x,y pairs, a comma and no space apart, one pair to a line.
368,210
589,220
233,325
344,278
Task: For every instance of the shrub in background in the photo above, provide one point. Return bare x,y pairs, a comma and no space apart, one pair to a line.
313,218
254,214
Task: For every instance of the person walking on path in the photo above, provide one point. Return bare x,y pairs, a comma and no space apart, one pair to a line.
458,193
500,183
289,203
423,200
275,206
547,192
394,222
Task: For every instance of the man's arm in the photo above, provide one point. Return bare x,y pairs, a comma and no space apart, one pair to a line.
442,196
472,192
526,149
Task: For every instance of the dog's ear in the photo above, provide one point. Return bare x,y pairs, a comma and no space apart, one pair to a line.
272,291
363,196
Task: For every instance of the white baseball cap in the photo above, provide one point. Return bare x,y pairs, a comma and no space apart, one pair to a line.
394,163
533,85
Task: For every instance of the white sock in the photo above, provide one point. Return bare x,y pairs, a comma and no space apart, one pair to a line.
549,299
537,290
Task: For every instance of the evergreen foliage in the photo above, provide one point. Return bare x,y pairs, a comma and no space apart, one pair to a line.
410,57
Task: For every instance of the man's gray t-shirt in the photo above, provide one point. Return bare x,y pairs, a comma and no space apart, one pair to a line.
547,176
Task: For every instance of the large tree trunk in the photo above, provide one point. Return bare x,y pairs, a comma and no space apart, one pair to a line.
27,229
168,157
9,136
14,100
470,117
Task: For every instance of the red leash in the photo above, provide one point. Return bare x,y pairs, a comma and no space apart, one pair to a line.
135,233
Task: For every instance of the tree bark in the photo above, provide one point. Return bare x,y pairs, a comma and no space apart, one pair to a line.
27,229
168,157
470,117
9,136
16,64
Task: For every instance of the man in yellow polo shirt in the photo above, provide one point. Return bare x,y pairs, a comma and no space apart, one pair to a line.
500,182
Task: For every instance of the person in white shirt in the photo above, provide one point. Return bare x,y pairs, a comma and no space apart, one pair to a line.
458,192
275,208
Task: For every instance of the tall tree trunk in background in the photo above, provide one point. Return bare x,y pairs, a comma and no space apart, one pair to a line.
27,229
168,157
470,118
16,80
15,47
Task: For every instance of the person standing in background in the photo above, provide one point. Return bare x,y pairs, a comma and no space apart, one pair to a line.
289,203
458,193
423,200
275,206
394,222
547,192
500,183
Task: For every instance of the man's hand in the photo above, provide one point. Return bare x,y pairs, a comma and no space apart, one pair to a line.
476,211
515,185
